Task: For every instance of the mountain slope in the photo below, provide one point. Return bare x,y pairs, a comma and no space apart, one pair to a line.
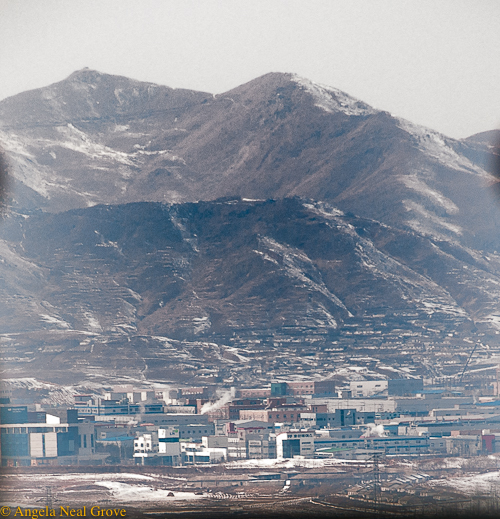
232,271
165,233
197,289
95,138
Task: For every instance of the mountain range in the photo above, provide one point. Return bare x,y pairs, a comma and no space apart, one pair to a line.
281,208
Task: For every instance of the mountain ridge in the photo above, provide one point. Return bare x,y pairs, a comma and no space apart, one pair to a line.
279,214
180,145
232,273
277,135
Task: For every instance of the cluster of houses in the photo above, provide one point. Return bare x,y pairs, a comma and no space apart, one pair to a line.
193,426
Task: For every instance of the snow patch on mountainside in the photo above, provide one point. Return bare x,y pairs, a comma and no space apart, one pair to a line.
92,322
266,257
412,285
178,222
417,184
437,146
201,324
492,319
107,243
331,99
24,166
436,306
55,320
80,142
425,292
428,223
299,266
9,258
323,209
326,316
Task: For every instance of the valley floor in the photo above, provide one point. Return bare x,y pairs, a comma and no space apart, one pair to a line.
331,488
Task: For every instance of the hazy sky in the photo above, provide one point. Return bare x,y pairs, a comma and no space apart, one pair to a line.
435,62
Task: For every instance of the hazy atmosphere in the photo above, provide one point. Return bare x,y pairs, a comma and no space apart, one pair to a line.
249,258
434,63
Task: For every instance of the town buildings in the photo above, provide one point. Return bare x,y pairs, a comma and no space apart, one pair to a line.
307,419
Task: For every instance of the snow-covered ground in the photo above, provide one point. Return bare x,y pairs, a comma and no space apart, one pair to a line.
130,492
290,463
117,487
332,99
488,483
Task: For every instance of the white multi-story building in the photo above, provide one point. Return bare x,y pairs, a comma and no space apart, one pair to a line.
296,442
160,447
146,445
168,440
194,453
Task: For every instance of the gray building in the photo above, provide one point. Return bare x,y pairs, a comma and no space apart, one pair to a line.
405,386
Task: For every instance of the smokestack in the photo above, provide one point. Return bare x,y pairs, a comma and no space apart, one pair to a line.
374,431
223,399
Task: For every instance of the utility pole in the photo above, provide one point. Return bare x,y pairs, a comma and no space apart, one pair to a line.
467,363
48,497
376,478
